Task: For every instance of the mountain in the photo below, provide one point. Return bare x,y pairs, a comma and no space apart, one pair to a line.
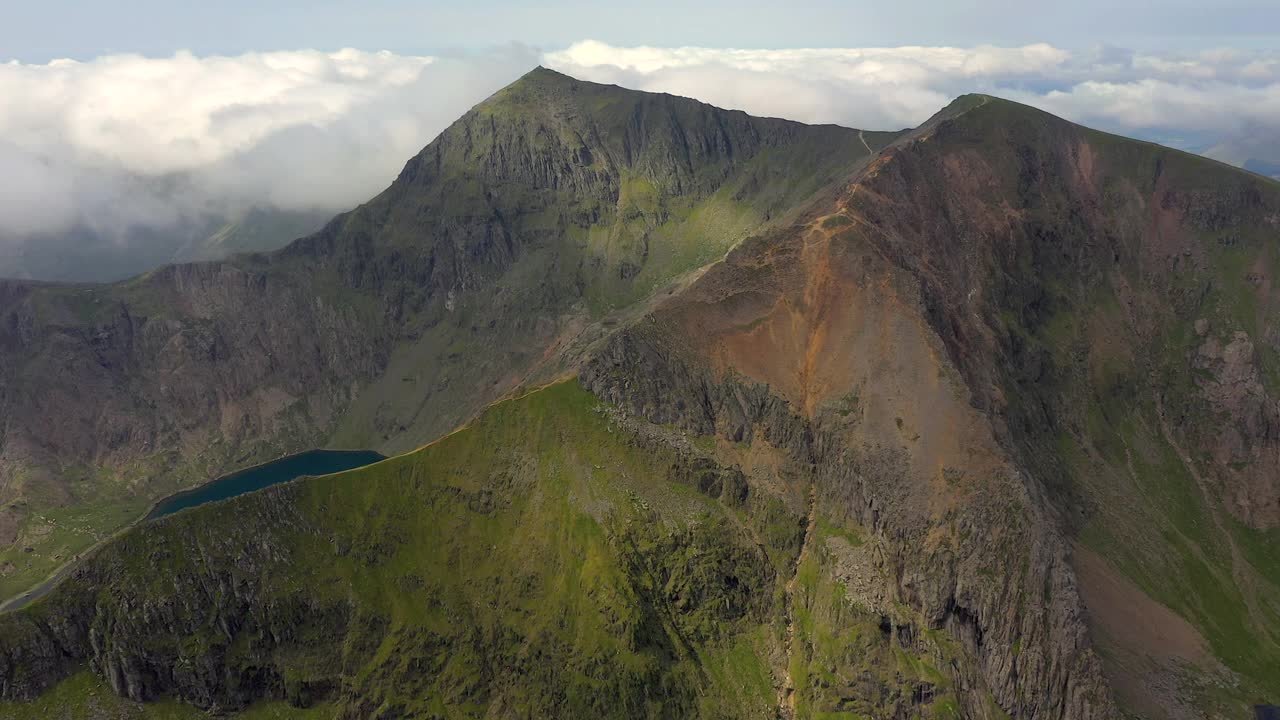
755,419
86,254
258,229
529,227
1253,149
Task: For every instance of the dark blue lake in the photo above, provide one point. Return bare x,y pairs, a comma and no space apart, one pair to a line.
314,462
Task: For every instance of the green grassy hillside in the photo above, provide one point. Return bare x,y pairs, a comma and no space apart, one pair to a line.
542,562
549,560
84,696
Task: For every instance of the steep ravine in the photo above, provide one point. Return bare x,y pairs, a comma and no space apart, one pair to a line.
787,699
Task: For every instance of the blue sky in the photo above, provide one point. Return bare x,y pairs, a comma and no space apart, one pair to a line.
82,29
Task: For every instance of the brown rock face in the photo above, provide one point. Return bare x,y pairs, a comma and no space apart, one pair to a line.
940,333
818,318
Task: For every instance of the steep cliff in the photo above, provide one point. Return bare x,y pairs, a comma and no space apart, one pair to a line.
1025,354
1086,287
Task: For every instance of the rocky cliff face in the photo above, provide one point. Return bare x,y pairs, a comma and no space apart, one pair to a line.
1086,285
947,331
959,557
196,369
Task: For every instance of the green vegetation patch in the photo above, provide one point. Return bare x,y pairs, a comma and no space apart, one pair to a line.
542,561
84,696
849,663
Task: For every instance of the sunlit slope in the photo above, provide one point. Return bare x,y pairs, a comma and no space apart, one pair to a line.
542,560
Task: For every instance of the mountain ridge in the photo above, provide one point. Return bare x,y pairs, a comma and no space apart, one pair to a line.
395,322
911,392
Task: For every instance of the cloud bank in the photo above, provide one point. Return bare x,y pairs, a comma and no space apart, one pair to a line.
126,140
1210,94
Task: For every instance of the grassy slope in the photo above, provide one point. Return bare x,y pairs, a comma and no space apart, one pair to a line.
57,535
84,696
570,504
544,561
541,561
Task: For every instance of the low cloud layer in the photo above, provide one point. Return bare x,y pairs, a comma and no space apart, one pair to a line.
126,140
1210,95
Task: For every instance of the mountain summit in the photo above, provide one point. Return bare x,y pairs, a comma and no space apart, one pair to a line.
753,419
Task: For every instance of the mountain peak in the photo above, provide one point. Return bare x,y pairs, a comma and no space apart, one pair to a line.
542,75
542,71
539,83
966,104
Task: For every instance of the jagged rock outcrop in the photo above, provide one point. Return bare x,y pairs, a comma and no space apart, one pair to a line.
989,567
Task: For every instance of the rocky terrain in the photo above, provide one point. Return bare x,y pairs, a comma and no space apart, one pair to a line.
951,328
983,425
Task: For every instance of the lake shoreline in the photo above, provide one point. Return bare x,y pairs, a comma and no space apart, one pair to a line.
153,512
161,508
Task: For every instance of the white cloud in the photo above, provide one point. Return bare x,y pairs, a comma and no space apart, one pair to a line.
1212,106
162,115
857,62
865,87
1212,91
126,139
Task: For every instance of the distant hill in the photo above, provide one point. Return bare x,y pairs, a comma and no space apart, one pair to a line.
1270,168
256,230
86,255
1257,151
